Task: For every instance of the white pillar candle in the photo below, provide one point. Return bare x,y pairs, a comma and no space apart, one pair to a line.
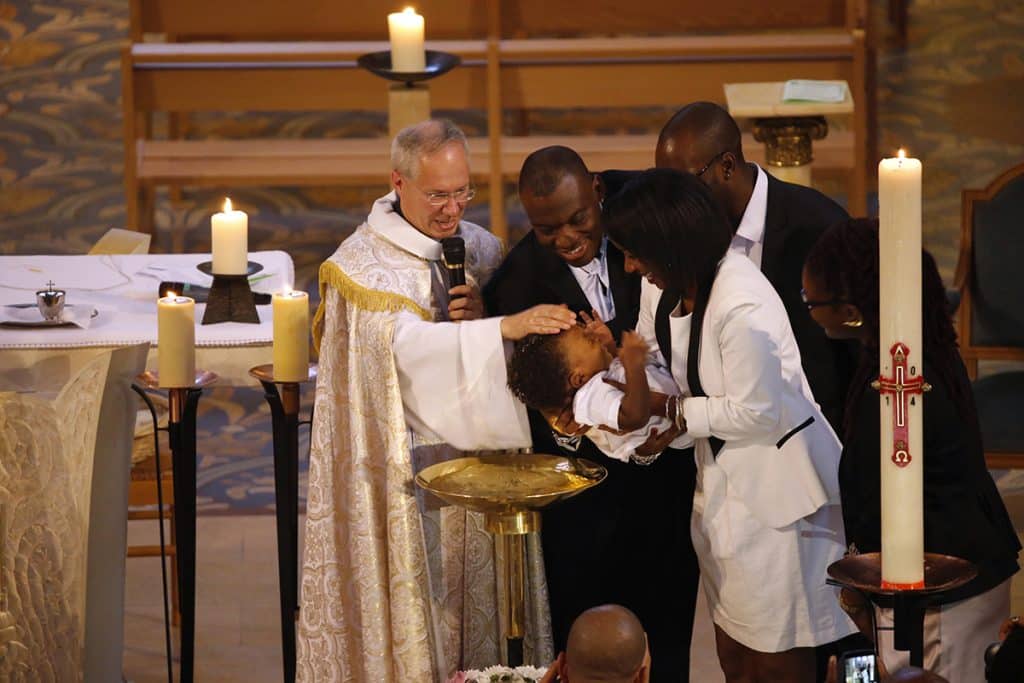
405,30
176,341
902,487
291,336
230,241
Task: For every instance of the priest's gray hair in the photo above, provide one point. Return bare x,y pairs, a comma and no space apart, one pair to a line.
422,139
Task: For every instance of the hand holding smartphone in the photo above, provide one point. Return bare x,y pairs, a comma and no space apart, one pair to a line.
858,666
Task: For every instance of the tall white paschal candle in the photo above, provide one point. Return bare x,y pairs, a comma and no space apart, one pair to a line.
230,240
176,340
405,29
291,336
901,362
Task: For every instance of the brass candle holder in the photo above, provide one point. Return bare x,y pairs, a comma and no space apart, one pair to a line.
283,398
181,429
510,489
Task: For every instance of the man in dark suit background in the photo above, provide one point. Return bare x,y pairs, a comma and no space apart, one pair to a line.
627,540
776,225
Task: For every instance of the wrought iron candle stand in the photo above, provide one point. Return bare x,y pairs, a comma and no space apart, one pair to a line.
942,573
283,398
181,432
510,488
230,298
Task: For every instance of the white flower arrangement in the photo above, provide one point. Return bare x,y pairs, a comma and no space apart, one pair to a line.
500,674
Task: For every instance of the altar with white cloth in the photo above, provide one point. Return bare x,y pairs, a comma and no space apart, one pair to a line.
66,421
123,290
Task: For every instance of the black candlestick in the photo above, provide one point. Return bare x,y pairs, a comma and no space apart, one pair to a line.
181,428
230,299
283,398
436,64
942,573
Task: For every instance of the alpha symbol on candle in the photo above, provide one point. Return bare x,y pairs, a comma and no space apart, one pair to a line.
901,388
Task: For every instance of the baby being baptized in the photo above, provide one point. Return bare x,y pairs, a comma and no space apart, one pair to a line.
565,374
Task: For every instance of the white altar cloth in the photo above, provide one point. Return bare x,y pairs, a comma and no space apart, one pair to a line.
123,289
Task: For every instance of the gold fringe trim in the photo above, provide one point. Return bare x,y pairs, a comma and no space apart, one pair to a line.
361,297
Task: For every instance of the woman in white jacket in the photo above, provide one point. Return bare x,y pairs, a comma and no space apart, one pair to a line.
766,520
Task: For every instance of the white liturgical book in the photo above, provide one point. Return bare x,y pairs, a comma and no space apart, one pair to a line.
798,90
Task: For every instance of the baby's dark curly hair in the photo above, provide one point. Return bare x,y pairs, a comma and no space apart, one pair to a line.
538,372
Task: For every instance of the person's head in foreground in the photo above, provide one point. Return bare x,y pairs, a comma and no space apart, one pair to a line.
562,199
1004,661
607,644
430,174
546,369
912,674
670,229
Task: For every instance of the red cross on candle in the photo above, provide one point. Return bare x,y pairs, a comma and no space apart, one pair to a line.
902,388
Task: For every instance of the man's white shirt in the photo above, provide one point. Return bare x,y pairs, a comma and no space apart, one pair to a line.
749,237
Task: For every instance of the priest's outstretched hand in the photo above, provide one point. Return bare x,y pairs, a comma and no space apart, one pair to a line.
541,319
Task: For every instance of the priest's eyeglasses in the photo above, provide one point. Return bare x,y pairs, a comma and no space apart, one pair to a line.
710,163
812,304
461,196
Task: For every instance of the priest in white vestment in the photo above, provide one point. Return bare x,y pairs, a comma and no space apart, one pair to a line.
394,586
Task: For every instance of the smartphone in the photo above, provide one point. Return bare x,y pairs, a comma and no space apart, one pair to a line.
858,666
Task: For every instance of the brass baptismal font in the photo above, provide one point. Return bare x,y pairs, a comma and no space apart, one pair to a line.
510,489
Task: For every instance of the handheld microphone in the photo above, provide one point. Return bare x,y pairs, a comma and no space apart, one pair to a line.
454,250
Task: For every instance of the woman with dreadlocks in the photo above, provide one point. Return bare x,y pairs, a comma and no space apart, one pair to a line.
963,513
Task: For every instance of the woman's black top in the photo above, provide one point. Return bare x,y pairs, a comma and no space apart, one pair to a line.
964,515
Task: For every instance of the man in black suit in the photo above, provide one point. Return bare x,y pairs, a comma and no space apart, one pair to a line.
627,540
776,225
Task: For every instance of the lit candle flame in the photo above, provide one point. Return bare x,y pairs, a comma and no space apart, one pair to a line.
286,290
409,10
227,204
172,296
902,154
